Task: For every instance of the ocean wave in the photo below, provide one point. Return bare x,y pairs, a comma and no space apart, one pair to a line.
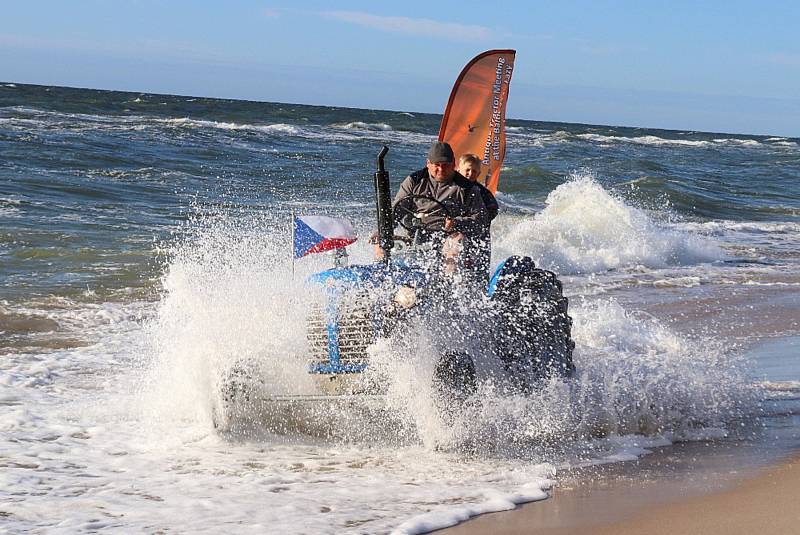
279,128
740,142
73,121
9,201
39,119
585,229
523,137
677,282
660,141
784,389
722,226
643,140
11,208
358,125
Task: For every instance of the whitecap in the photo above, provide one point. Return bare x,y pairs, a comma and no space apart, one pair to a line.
736,141
642,140
185,122
359,125
584,228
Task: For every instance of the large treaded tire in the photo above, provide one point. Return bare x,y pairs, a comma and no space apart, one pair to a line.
454,383
535,338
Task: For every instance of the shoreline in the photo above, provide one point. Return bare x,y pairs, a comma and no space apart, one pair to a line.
678,494
686,487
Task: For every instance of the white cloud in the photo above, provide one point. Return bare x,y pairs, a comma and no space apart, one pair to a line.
426,27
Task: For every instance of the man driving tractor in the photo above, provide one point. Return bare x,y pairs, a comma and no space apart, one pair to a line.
440,197
438,204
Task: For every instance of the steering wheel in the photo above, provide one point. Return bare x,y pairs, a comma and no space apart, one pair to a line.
404,210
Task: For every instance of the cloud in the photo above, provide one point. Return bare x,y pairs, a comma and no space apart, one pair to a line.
426,27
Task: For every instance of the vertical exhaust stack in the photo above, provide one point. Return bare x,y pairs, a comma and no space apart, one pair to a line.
384,207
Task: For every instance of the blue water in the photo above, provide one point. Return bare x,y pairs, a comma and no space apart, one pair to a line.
90,180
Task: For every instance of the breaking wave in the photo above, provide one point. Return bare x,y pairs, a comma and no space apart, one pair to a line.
270,128
585,229
358,125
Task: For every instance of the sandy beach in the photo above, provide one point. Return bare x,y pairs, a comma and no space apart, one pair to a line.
731,501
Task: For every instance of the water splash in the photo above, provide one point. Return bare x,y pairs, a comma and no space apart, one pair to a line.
229,298
586,229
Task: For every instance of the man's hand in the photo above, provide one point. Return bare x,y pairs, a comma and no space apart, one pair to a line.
449,224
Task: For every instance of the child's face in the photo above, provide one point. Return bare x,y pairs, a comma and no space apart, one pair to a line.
470,170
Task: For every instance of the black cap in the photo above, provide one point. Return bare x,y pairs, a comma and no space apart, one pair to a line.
441,152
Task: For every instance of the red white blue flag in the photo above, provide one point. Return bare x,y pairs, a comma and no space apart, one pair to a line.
316,234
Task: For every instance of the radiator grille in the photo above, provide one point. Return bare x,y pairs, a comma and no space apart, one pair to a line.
355,332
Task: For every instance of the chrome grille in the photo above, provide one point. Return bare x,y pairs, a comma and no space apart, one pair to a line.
355,331
317,335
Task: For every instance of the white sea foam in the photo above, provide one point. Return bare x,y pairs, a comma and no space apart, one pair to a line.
123,426
522,138
660,141
280,128
11,208
736,141
782,389
722,226
358,125
782,142
584,228
139,122
348,132
643,140
680,282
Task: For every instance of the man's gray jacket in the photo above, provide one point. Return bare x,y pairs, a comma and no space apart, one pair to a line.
461,197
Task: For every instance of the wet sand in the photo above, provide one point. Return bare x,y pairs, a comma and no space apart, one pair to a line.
728,501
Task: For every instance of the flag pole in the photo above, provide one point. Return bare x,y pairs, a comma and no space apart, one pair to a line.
291,244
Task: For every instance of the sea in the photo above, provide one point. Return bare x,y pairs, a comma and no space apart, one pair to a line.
145,247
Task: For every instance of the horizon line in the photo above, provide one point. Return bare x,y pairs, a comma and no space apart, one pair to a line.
239,99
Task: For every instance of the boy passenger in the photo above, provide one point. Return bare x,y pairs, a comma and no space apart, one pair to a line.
469,166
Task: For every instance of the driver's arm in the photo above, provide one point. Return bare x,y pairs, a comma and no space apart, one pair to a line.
406,189
474,214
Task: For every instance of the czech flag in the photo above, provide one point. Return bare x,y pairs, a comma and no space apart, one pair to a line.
316,234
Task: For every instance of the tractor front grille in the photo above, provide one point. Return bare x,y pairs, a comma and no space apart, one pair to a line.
344,330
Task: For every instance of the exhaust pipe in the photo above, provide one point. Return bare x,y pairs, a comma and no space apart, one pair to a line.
384,207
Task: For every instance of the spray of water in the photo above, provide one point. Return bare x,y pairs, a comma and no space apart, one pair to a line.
230,300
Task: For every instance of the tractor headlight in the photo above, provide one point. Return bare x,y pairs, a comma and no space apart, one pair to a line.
406,297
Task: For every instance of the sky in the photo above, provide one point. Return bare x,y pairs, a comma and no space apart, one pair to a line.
722,66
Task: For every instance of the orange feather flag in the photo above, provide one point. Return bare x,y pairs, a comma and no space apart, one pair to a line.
474,121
